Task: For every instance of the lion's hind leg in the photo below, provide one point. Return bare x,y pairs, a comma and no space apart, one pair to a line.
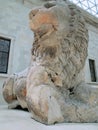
8,92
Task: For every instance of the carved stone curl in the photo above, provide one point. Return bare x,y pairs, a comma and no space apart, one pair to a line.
52,88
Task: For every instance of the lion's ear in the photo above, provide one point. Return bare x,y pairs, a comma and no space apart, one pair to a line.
49,4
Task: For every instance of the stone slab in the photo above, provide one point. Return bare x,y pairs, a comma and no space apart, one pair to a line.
21,120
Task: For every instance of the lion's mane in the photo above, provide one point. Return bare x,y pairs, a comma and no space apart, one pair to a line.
65,55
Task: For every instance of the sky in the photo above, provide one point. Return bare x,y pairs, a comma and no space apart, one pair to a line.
90,5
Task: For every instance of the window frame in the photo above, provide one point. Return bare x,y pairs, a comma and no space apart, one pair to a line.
2,52
94,70
11,54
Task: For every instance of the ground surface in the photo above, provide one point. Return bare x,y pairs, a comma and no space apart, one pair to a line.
21,120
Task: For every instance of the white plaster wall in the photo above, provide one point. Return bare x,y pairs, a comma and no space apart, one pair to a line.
92,52
14,24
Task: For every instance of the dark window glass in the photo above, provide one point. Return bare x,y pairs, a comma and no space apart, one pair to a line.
4,54
92,70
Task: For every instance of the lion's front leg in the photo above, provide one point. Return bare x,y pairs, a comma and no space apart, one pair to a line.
43,104
42,97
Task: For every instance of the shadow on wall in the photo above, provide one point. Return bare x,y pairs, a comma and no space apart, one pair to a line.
2,79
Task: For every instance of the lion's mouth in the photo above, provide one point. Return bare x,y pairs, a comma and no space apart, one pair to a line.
39,33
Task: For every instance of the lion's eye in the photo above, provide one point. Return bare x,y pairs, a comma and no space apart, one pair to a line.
34,12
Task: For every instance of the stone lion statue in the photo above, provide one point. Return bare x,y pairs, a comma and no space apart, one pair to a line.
52,87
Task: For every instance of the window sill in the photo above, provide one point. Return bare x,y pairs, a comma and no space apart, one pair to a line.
4,75
93,83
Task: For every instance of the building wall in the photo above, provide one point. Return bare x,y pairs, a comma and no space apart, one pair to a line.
92,52
14,24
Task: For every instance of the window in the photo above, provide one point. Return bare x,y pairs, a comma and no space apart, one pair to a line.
92,70
4,54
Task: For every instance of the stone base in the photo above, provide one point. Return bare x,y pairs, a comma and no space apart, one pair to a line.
21,120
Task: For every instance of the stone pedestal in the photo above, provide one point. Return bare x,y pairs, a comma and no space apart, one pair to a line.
20,120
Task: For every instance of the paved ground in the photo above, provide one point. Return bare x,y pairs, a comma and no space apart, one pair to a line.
21,120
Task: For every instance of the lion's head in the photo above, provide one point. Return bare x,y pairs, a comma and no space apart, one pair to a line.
61,40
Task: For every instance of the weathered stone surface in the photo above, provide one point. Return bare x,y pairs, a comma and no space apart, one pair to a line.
52,88
14,90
